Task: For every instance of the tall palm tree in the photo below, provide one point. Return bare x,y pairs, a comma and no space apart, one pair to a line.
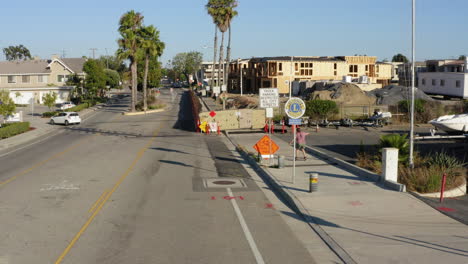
151,48
231,13
129,26
212,7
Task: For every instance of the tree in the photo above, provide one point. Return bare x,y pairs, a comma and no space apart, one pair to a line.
7,105
49,99
322,109
95,82
230,14
217,10
19,52
129,26
400,58
113,63
187,63
151,48
462,57
211,6
112,78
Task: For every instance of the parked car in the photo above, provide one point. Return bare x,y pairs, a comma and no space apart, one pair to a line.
65,118
66,105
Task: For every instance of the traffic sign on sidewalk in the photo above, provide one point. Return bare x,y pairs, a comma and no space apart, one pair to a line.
263,146
269,97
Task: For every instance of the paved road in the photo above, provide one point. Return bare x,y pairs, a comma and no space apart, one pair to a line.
120,189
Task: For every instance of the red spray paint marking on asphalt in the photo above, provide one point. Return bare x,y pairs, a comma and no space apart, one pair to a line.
445,209
355,203
269,206
213,198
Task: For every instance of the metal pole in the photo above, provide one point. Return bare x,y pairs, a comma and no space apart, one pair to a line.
290,78
242,73
294,155
269,132
411,162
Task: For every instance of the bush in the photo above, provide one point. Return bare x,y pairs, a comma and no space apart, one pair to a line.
79,107
321,108
13,129
396,141
49,114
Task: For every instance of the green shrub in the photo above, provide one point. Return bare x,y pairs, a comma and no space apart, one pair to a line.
49,114
321,108
405,105
445,161
79,107
13,129
396,141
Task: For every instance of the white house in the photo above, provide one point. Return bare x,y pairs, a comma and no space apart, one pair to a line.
445,77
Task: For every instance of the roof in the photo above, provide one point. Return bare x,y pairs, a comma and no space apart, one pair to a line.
75,64
298,58
24,67
39,66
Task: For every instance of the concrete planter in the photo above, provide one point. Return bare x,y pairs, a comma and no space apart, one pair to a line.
458,191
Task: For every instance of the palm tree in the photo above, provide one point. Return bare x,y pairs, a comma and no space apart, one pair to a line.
212,8
231,13
151,47
129,26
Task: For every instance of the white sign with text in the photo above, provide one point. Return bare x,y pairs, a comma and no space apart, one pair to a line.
269,97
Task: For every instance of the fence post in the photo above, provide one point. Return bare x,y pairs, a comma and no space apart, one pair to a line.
442,187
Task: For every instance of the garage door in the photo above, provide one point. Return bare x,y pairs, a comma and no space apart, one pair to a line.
22,97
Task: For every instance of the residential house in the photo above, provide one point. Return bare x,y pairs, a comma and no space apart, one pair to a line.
277,72
445,77
206,73
30,80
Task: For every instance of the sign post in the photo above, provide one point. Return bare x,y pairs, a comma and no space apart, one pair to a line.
295,109
269,99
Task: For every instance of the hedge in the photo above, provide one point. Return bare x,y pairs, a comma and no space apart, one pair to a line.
13,129
49,114
78,107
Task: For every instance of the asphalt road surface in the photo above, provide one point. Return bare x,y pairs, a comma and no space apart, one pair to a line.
133,189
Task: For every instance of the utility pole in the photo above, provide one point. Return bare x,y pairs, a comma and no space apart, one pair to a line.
290,79
64,54
413,73
94,52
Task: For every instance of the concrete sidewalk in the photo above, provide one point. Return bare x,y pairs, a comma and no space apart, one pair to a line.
362,221
42,128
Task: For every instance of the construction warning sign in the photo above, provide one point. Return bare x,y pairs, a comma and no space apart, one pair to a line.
263,146
202,126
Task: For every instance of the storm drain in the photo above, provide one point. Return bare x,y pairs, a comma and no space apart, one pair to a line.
224,183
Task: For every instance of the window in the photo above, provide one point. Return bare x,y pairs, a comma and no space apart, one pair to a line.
296,67
275,82
335,73
433,82
25,79
60,78
367,67
302,72
280,67
11,79
423,81
334,67
302,65
442,82
457,84
353,68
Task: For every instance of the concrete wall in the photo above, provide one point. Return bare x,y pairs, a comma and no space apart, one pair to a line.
231,119
449,88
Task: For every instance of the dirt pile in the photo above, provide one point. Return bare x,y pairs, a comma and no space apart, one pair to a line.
392,94
242,102
345,93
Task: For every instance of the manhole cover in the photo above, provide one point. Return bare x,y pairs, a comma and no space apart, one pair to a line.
224,183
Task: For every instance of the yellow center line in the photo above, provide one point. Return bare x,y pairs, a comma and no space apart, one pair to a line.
40,163
109,194
97,202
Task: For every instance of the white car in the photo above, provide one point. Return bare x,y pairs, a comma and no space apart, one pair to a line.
66,118
66,105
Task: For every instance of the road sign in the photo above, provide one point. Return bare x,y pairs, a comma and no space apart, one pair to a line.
202,126
269,112
216,90
223,88
263,146
207,88
295,121
212,113
295,107
269,97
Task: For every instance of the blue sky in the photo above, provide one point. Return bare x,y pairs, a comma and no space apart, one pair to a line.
263,28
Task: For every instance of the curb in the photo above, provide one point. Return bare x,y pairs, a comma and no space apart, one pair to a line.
293,203
143,112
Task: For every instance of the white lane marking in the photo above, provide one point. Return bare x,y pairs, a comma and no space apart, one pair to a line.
248,235
64,185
